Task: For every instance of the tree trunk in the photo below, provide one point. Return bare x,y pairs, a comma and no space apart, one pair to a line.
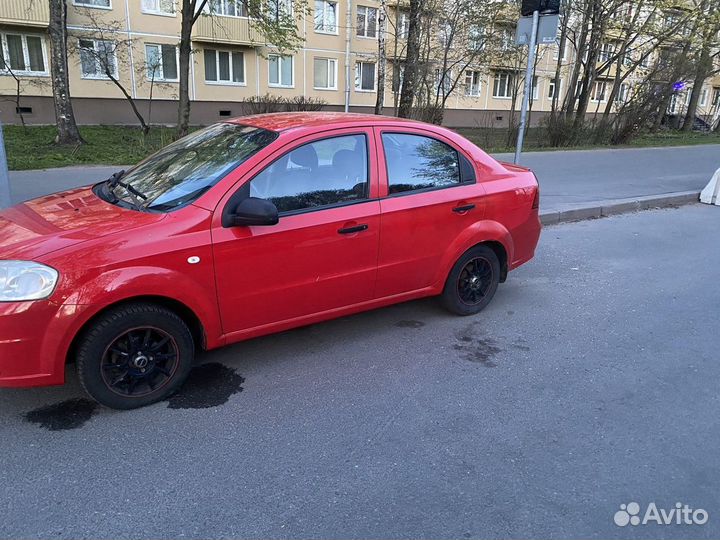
186,25
67,130
704,66
411,59
382,58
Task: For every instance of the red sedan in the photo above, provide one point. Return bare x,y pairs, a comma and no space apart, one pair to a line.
246,228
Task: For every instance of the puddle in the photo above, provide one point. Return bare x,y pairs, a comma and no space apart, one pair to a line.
209,385
70,414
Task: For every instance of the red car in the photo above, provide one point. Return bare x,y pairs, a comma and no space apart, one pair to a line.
246,228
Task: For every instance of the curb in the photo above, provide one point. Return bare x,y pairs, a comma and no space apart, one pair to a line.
620,206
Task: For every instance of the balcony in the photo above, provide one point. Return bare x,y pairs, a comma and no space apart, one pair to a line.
228,30
24,13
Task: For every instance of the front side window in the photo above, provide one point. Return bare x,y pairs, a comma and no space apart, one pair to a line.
322,173
365,76
552,89
598,91
22,54
280,70
159,7
92,3
181,172
403,25
367,21
415,162
325,16
97,59
324,73
161,62
224,66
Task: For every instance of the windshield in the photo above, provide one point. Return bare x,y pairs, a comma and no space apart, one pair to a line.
181,172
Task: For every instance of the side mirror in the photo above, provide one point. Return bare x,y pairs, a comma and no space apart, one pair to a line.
252,211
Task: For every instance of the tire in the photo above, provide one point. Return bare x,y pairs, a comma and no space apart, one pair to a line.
134,355
464,295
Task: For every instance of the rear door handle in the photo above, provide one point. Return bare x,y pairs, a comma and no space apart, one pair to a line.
355,229
461,209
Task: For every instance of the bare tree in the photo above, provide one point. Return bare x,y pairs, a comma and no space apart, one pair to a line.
67,130
275,20
382,57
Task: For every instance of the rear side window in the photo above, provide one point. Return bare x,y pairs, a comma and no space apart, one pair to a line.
416,163
322,173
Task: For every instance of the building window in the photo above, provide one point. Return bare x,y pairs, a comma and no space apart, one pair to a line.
535,88
326,17
365,76
97,58
280,70
367,21
446,35
507,38
443,81
503,84
398,76
551,88
23,54
325,73
607,50
622,95
93,3
476,38
159,7
403,25
226,8
224,67
278,9
556,50
703,97
716,97
161,62
598,91
473,83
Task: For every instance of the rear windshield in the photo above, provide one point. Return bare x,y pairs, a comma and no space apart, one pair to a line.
181,172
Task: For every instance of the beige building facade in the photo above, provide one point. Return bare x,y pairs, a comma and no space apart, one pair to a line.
337,63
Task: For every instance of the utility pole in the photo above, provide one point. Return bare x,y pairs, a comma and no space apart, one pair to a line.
4,176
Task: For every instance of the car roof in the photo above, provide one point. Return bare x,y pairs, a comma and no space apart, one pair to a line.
294,120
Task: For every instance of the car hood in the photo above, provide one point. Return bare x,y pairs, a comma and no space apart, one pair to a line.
35,228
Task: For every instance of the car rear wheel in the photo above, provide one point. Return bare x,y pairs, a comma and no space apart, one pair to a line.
134,355
472,282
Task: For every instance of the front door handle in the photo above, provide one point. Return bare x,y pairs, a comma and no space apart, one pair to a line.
462,209
351,230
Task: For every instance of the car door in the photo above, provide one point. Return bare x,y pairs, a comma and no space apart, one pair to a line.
429,195
322,254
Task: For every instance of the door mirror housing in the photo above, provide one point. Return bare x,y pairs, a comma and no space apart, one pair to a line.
252,211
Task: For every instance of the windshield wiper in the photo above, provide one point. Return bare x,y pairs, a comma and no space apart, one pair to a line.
115,181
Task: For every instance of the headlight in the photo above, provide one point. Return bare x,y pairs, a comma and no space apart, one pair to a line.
23,280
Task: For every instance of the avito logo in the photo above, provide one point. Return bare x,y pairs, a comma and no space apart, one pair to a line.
681,514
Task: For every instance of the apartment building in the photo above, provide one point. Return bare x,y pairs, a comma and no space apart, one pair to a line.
337,63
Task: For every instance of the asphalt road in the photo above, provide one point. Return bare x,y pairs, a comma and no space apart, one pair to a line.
568,179
589,382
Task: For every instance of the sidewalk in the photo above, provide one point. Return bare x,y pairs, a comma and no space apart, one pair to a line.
574,184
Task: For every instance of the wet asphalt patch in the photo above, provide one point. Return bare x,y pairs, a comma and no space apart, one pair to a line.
209,385
409,324
69,414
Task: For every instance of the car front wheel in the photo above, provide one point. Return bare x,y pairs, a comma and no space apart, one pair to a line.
134,355
472,282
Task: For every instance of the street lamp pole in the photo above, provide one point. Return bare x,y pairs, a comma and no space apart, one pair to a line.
528,85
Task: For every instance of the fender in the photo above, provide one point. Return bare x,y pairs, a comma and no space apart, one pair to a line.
480,231
124,284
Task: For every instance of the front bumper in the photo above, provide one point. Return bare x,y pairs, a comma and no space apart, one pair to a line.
34,340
